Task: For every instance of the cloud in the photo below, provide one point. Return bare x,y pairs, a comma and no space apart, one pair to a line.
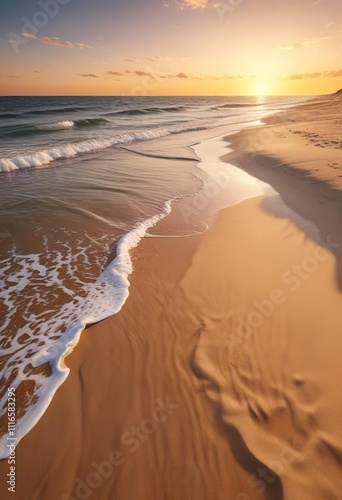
295,77
197,4
330,74
225,77
138,72
208,77
88,75
290,47
183,76
314,42
159,58
142,73
153,59
333,74
57,42
306,75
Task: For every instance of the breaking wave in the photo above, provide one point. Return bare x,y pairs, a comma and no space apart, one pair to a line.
47,156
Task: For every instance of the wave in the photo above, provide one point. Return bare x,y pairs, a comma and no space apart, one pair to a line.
85,122
23,130
10,115
20,130
144,111
91,122
127,112
47,156
235,105
56,125
52,111
37,112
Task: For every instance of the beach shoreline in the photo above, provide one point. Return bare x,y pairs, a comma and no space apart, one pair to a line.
180,391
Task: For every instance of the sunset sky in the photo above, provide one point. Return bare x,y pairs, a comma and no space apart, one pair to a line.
170,47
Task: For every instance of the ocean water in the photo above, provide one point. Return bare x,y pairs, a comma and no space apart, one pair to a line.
82,179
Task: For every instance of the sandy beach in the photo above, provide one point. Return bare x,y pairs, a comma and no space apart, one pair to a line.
219,378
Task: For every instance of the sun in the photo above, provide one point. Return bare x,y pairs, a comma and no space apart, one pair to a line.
261,88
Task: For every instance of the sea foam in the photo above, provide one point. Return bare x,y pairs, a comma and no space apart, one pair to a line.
105,298
47,156
56,125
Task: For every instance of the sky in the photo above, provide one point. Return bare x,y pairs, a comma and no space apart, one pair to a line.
170,47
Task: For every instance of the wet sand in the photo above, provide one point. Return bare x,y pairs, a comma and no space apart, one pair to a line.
219,378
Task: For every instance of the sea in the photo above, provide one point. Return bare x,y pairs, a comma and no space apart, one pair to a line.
82,181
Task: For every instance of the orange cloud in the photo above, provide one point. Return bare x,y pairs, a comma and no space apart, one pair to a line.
57,42
142,73
332,74
153,59
88,75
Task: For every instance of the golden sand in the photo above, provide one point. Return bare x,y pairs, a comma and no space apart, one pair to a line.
220,377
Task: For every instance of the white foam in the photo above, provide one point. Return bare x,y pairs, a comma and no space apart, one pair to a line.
46,156
105,298
56,125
